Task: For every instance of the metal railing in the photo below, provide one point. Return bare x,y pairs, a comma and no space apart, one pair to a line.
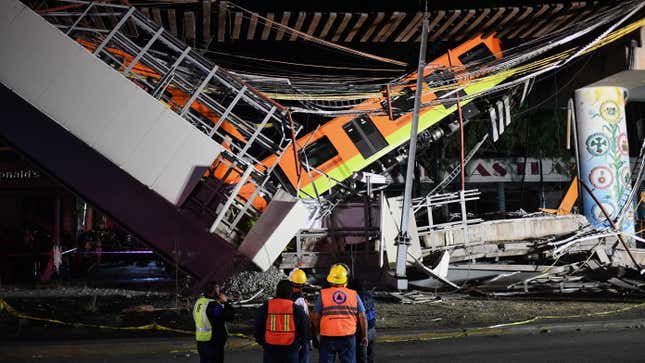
216,102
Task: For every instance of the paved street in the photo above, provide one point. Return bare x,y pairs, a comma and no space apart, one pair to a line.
618,345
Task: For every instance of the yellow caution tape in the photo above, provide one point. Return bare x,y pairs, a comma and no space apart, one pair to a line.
4,306
497,329
488,330
586,315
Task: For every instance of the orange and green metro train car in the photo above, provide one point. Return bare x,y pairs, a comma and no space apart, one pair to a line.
348,144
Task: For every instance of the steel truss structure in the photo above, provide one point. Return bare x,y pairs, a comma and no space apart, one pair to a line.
218,103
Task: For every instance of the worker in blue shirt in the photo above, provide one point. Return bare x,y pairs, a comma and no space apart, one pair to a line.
211,312
366,355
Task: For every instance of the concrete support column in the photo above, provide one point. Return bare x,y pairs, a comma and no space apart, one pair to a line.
604,154
57,220
89,218
501,197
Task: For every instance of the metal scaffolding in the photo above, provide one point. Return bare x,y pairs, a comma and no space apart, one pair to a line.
248,124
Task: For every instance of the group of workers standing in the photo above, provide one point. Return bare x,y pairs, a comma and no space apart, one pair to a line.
341,323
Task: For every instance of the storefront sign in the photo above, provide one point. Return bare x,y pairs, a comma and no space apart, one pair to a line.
518,169
19,174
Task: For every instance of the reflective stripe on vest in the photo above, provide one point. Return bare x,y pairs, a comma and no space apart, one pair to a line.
280,329
339,312
203,328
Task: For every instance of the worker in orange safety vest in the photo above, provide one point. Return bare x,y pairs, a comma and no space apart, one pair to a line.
281,327
335,316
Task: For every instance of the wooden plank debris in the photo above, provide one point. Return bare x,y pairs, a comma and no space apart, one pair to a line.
482,15
377,20
390,26
299,21
327,26
267,26
221,21
412,27
357,26
206,21
433,23
172,21
517,20
435,35
314,23
459,25
237,25
341,27
284,22
189,28
253,23
156,16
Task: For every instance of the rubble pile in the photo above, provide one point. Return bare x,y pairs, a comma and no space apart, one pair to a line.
248,283
585,261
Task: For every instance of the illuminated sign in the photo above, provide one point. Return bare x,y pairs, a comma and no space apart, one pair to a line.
20,174
518,169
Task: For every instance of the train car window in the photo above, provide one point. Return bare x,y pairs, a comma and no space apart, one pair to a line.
365,136
318,152
478,53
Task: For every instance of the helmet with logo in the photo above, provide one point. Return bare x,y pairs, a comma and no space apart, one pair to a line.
298,277
338,274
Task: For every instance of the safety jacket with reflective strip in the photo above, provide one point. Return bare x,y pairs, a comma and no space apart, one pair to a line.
203,327
280,327
339,312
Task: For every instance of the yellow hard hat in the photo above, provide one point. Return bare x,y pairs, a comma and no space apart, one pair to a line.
337,275
298,276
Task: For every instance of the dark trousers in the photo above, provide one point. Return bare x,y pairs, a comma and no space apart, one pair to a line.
303,353
345,347
366,355
280,355
211,352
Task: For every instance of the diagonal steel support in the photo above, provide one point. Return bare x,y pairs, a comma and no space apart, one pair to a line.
71,28
257,132
165,80
143,51
228,110
231,199
115,30
198,91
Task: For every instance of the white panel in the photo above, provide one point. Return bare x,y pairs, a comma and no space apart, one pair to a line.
279,223
9,9
186,167
126,131
92,97
390,222
24,68
156,149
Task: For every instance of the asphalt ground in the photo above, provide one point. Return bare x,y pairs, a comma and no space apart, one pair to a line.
573,341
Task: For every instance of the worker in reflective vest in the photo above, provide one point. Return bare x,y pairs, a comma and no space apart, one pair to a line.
211,312
336,314
298,279
281,327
